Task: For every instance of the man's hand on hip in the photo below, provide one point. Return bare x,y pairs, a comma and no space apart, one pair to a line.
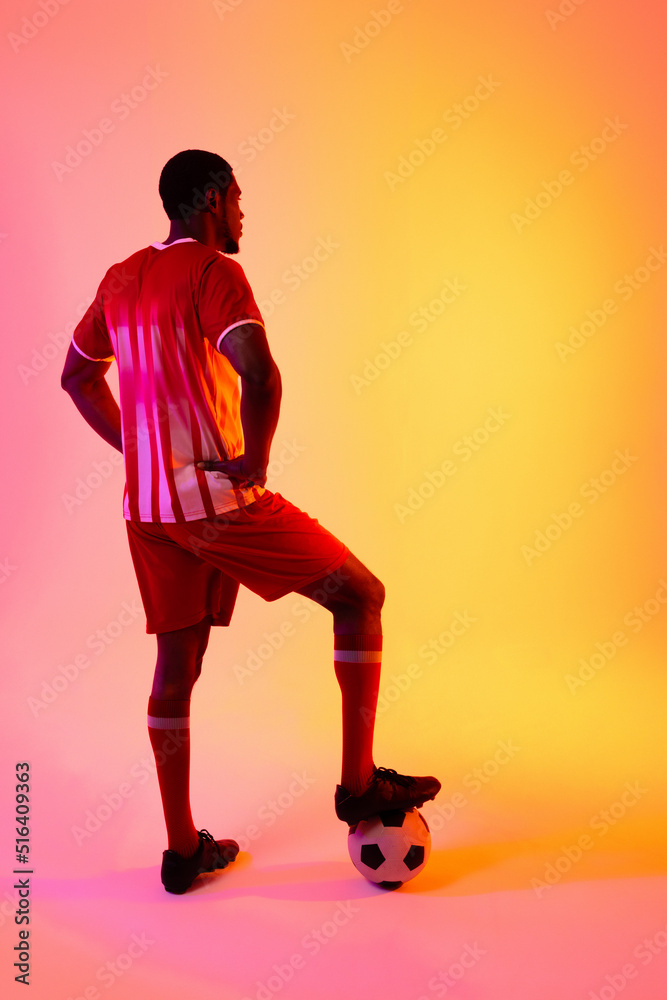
237,469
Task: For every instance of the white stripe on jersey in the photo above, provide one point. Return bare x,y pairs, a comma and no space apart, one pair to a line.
143,435
179,396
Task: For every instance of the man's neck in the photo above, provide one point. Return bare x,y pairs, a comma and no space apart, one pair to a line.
177,231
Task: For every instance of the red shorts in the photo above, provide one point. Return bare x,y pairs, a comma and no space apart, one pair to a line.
189,571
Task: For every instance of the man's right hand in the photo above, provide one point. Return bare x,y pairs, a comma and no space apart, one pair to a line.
237,469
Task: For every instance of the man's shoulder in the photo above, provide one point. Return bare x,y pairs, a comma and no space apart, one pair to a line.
190,259
183,252
129,266
170,251
218,266
179,256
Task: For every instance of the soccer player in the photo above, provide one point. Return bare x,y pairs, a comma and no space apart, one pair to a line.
199,402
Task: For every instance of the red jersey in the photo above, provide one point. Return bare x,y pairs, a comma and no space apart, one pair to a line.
162,314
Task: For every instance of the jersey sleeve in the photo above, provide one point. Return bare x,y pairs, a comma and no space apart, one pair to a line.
225,300
91,335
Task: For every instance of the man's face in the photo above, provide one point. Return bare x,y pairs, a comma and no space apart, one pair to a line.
229,215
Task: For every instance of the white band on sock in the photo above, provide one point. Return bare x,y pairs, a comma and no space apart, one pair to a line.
155,723
358,655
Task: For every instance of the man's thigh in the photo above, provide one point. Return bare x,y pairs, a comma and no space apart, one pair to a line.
270,546
178,589
349,585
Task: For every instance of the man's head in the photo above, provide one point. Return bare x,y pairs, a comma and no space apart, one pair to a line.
199,191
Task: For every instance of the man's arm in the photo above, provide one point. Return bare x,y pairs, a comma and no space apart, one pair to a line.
247,350
85,382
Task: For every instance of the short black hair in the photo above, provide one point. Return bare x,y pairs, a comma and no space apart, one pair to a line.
187,176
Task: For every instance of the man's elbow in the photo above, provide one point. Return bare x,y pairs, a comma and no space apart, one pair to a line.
75,386
70,384
264,378
67,383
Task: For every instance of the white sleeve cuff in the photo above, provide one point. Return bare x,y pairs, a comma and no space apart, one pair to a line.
84,355
240,322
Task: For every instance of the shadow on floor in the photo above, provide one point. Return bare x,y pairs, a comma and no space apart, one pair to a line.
460,871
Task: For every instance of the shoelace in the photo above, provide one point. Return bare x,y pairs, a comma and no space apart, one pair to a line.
205,835
389,774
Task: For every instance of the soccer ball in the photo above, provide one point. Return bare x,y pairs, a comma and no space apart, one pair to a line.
391,848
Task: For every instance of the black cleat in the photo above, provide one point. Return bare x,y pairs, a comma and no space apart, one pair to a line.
178,873
387,790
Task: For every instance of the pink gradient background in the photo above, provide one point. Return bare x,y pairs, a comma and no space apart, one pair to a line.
355,441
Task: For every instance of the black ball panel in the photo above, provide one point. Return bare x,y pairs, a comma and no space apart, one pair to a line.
393,817
372,856
414,858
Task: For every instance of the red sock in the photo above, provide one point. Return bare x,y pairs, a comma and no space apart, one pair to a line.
357,662
169,732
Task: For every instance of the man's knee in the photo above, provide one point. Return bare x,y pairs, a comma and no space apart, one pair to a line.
376,593
350,586
366,593
179,661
